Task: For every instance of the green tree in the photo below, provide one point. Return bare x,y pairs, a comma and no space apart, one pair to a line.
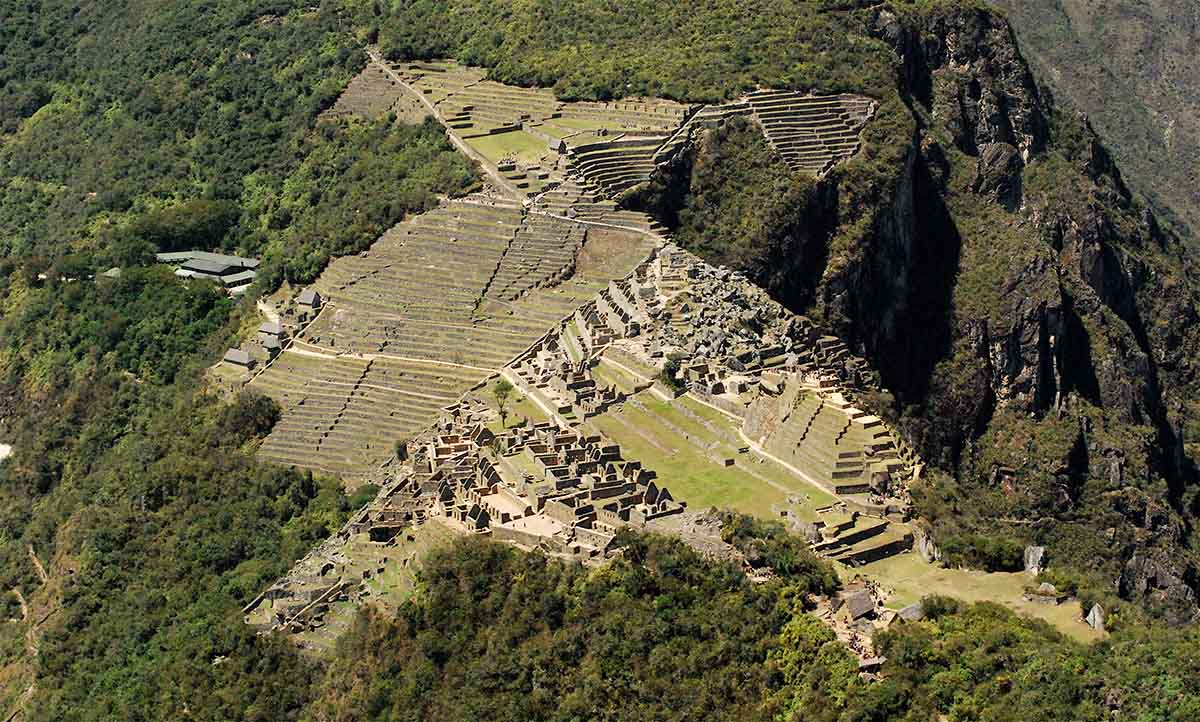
503,391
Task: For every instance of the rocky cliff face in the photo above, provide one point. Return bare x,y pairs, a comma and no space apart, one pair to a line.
1035,323
1132,67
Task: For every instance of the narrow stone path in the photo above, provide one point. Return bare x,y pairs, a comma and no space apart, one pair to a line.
30,648
23,603
387,357
487,166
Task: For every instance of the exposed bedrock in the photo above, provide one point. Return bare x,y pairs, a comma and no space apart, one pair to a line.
964,65
1006,284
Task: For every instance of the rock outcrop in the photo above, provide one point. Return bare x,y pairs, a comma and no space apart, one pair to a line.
1036,325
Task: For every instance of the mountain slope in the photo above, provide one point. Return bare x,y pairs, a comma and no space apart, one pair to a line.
1033,321
1035,324
1132,67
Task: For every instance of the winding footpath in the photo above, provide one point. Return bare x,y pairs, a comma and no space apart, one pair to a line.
484,163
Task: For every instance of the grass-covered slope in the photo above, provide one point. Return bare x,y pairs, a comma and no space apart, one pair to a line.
1132,67
503,635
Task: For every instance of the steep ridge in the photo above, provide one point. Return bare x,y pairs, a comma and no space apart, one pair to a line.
1132,67
1031,319
1076,310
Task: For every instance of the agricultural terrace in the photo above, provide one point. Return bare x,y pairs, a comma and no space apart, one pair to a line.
439,303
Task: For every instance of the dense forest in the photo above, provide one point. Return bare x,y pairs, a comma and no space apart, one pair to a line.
154,532
663,634
132,127
143,128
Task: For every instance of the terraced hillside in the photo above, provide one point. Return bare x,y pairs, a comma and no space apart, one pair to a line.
820,432
372,94
447,298
436,305
812,133
342,414
544,279
535,140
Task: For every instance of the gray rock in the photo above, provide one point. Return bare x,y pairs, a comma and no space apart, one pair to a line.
927,549
913,612
1095,618
1034,558
1155,575
998,174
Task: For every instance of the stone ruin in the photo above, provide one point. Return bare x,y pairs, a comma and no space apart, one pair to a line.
338,570
857,616
540,486
747,356
441,301
447,297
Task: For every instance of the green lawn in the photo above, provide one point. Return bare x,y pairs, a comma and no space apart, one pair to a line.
704,410
514,144
519,407
578,124
911,578
606,374
647,372
693,477
525,463
688,471
730,441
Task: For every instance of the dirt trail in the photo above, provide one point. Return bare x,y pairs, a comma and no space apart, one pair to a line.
268,311
23,603
308,351
488,168
37,564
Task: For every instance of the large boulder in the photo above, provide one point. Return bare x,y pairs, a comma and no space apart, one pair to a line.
1034,560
